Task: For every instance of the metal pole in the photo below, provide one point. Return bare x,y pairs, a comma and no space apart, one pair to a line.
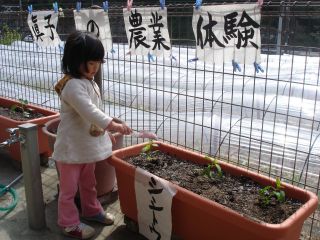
98,79
98,76
279,32
32,177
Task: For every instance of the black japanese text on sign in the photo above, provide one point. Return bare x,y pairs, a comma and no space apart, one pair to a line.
154,192
242,30
139,31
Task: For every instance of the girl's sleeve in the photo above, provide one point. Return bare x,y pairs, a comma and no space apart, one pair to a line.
76,95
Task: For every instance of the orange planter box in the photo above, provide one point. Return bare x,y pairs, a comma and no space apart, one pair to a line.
5,122
196,217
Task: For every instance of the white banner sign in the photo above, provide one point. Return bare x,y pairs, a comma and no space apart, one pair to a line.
228,32
154,200
43,26
97,22
147,31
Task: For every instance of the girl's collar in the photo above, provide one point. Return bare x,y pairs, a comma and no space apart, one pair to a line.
84,78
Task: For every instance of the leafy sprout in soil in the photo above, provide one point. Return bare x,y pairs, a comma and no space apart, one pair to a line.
22,108
269,192
148,149
212,165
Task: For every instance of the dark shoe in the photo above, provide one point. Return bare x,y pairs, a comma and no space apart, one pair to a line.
104,218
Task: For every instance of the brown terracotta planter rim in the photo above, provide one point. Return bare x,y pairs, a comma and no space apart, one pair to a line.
48,124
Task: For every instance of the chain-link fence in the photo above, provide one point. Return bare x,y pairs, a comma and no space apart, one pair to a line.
267,122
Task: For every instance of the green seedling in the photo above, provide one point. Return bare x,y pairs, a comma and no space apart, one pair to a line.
269,192
21,107
148,149
212,165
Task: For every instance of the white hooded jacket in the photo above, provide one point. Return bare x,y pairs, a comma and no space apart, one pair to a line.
80,101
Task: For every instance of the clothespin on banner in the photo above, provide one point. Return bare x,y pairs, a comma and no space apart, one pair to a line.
198,4
129,5
162,4
105,5
150,57
30,9
55,7
260,3
193,59
258,67
236,66
78,6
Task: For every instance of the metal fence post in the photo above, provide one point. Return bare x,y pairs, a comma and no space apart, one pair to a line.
98,75
279,33
98,79
32,177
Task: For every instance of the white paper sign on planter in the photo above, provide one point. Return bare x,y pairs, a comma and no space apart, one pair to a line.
43,26
147,31
154,200
97,22
228,32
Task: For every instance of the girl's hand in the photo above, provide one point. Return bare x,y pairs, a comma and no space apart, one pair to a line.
119,127
127,129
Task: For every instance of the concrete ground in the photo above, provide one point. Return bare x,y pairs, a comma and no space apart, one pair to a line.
14,225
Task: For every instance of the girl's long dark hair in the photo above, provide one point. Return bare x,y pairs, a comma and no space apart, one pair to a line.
81,47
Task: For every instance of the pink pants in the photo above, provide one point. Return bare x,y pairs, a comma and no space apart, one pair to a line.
72,176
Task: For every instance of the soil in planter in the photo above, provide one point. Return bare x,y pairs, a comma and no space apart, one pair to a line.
19,115
238,193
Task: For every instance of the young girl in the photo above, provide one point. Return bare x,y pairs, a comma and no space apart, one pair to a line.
81,139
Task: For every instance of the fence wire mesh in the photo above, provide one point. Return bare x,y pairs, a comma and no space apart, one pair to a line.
267,122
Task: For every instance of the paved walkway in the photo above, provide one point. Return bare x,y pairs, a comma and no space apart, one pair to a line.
15,224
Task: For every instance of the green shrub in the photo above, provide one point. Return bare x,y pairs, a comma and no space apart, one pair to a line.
8,35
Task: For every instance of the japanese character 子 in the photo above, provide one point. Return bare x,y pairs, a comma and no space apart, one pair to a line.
248,24
230,26
50,26
158,39
153,207
35,27
135,21
210,37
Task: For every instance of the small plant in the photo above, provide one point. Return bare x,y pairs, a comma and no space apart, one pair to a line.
21,107
214,164
269,192
148,149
